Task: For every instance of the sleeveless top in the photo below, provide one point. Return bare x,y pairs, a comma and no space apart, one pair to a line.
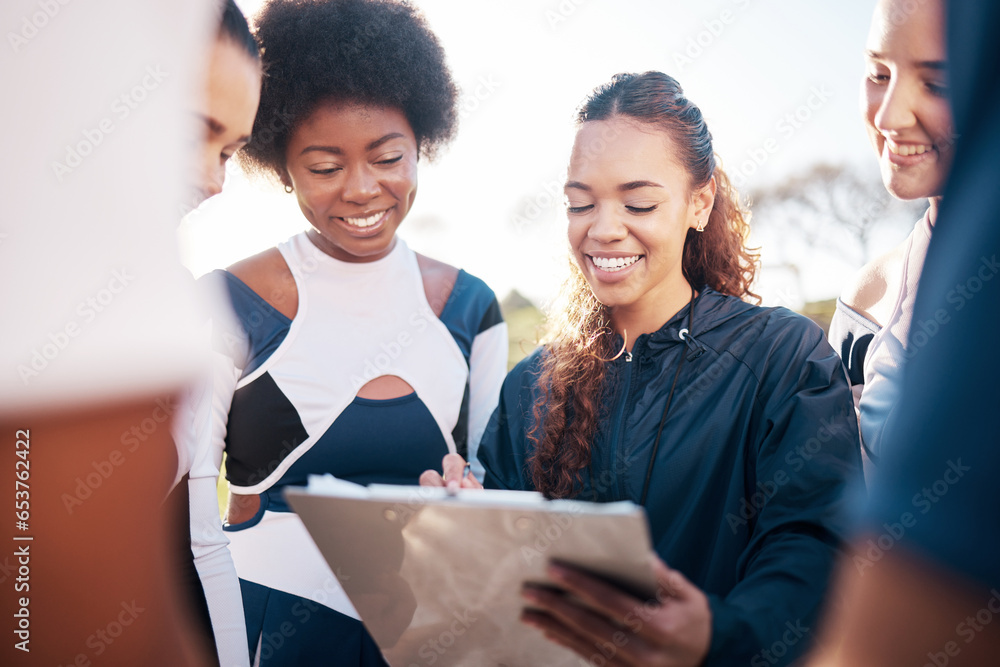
888,351
350,328
295,410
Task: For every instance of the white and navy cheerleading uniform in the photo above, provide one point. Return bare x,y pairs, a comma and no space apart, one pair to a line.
287,407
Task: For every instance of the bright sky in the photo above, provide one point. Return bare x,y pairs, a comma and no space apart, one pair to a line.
780,74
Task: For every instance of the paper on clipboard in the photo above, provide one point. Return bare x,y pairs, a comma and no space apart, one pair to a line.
437,578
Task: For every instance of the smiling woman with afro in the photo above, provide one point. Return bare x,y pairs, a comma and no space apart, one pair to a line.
375,53
355,356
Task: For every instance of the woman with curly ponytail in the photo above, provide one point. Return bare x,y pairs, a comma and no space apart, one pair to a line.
661,383
581,337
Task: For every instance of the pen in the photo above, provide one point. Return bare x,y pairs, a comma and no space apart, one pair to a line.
465,473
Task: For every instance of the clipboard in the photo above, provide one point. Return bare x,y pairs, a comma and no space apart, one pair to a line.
436,578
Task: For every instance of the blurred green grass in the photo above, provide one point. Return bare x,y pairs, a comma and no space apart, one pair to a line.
524,327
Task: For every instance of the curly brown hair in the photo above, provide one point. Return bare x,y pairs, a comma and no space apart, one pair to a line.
580,340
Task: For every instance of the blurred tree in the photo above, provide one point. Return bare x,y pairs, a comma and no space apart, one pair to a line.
514,301
832,208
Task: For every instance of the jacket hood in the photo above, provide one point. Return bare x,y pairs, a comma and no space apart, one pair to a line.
708,311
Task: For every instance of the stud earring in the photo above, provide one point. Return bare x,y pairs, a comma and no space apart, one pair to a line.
701,226
288,189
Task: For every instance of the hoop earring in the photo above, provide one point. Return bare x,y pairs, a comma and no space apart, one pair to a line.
701,226
288,189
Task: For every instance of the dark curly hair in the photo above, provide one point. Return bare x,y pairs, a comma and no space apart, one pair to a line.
580,339
373,52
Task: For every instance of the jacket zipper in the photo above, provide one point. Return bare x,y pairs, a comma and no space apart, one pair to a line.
620,427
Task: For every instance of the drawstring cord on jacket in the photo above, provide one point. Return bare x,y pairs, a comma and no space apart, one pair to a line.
695,350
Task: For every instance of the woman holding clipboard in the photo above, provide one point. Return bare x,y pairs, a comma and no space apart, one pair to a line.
732,424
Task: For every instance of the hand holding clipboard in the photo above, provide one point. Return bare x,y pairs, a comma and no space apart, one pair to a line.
455,475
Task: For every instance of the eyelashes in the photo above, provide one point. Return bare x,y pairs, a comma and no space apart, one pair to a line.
325,172
631,209
935,88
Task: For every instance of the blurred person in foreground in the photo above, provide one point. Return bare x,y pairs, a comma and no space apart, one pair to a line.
226,113
923,584
100,334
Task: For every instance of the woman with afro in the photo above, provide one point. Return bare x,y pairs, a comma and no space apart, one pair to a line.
355,355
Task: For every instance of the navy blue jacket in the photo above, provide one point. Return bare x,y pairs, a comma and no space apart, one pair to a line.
747,494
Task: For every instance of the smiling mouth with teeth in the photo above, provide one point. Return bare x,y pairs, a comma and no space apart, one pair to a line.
614,263
908,149
365,222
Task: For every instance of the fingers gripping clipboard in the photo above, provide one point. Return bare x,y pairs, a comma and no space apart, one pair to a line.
437,579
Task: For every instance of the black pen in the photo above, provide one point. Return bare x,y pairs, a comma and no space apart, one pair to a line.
465,473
